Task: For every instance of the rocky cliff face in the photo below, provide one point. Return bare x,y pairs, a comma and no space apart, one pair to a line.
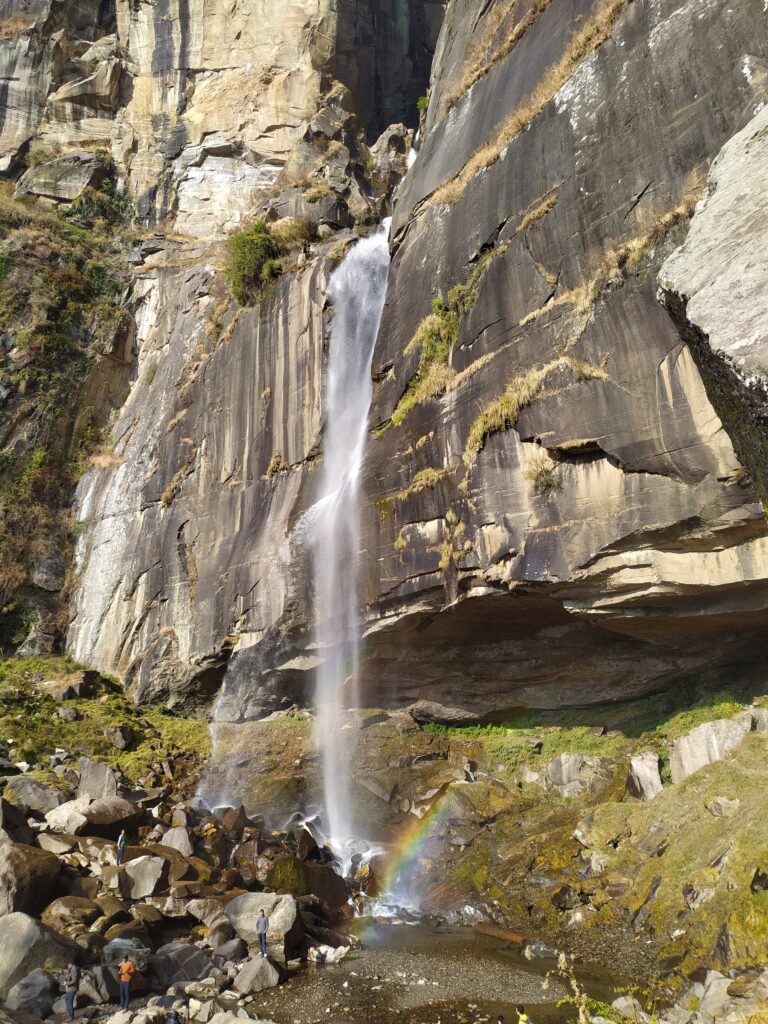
565,476
602,464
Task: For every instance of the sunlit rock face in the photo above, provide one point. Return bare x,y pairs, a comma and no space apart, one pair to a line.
565,506
607,534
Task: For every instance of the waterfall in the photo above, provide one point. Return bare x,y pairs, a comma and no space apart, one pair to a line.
357,289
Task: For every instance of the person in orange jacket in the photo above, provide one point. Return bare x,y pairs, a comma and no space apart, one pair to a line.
126,971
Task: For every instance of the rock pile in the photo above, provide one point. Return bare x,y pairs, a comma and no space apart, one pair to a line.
183,903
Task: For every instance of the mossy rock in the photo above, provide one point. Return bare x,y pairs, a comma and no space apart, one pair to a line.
290,875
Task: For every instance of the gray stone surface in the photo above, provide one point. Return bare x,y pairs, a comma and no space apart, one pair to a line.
36,993
33,794
28,877
723,264
96,779
285,923
142,877
709,742
644,780
255,975
28,945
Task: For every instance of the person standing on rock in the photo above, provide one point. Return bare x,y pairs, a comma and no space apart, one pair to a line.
262,927
126,971
122,842
71,985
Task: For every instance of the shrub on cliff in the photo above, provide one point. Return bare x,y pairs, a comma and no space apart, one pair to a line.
253,261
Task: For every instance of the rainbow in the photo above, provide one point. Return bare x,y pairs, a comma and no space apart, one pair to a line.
406,851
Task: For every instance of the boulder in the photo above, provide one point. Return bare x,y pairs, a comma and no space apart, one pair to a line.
232,950
57,843
722,807
566,898
285,925
143,876
32,794
28,944
13,824
96,779
644,780
70,912
706,744
178,839
429,711
180,961
36,993
28,877
327,954
120,736
115,950
63,178
574,774
108,815
256,975
69,817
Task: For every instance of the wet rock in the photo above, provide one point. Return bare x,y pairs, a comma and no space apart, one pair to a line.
256,975
27,945
644,780
36,993
28,878
707,743
285,925
307,848
143,876
722,807
327,954
535,950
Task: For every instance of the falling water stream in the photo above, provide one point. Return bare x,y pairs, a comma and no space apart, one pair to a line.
357,289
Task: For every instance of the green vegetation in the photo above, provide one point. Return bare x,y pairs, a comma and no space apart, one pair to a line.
61,281
435,339
289,875
421,104
253,261
29,718
255,253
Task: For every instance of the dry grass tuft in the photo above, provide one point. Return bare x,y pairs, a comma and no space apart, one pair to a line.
476,67
583,42
12,26
619,262
539,211
541,473
425,479
502,413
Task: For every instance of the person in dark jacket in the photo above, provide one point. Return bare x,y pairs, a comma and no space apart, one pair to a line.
262,927
122,842
71,985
